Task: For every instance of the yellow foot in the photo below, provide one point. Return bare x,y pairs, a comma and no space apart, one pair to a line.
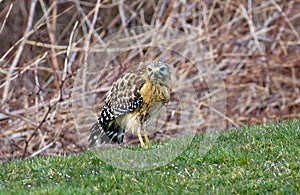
142,142
145,146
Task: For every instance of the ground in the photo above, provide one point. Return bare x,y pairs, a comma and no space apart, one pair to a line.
252,159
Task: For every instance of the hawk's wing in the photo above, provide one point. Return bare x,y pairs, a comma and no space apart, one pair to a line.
124,97
125,94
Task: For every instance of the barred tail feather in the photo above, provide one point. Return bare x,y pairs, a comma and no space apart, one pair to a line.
96,132
115,132
105,134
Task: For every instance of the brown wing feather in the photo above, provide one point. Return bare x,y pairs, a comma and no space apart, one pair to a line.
125,93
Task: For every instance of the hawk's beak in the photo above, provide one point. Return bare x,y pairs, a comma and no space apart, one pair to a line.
155,70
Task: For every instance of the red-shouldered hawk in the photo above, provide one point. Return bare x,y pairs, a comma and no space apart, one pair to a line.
132,101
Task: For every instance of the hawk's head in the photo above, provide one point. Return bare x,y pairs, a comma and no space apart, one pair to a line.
158,72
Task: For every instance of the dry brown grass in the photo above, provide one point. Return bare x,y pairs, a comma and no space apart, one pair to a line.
44,46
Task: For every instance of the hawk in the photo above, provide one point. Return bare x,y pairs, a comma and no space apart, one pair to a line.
133,100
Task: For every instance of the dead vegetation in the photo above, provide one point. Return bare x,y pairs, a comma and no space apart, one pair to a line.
50,49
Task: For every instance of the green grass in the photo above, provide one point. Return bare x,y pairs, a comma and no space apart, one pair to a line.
251,159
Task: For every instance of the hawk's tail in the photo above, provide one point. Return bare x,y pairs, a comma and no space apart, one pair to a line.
115,132
105,134
96,132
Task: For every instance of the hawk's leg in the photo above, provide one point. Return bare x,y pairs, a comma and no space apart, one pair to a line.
140,137
145,136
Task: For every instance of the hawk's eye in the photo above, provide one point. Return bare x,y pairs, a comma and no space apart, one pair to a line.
163,69
149,69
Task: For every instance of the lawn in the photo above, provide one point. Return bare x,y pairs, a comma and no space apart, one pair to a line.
251,159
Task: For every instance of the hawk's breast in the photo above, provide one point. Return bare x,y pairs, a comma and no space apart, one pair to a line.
154,97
